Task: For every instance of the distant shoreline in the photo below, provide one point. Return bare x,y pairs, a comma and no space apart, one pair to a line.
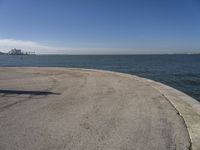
1,53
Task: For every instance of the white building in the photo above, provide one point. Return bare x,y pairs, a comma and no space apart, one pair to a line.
15,52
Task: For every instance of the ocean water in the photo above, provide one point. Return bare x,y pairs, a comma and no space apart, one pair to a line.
179,71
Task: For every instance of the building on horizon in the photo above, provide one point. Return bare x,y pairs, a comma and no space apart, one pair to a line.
15,51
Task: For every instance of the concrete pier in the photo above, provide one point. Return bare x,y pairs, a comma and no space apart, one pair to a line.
80,109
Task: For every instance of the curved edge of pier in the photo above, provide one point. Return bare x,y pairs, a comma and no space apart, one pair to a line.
187,107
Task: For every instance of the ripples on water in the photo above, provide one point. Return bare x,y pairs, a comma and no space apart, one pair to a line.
179,71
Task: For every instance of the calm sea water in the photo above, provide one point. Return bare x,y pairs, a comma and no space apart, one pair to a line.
179,71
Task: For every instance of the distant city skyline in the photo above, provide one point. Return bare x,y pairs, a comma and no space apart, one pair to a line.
100,26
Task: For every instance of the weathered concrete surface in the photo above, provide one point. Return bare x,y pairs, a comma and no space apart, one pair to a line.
62,109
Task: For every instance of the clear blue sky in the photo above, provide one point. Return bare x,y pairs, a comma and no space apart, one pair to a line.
101,26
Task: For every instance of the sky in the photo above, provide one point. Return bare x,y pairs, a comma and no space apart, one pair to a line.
100,26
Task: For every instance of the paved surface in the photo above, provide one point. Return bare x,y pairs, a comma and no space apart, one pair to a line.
73,109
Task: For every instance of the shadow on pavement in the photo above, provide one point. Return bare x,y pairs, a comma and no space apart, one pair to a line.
27,92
